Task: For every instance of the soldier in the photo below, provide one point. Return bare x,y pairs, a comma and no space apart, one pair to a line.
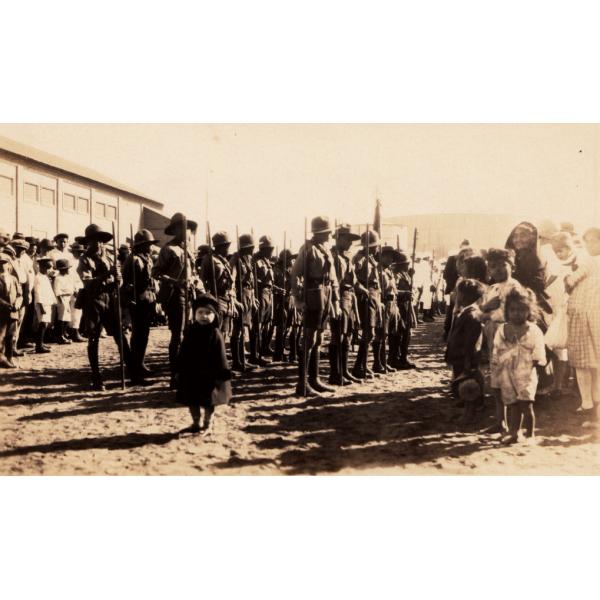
393,321
263,316
342,327
222,284
99,304
138,293
243,275
317,296
170,269
202,251
285,316
369,308
405,304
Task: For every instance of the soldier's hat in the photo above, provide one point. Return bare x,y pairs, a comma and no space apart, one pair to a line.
346,230
63,263
320,225
265,242
207,301
143,236
402,259
176,220
60,236
221,239
19,243
392,251
33,241
80,239
18,236
203,249
288,256
95,232
246,241
373,238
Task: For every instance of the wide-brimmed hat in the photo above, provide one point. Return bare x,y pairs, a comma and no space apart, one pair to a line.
10,251
80,239
206,300
265,242
203,249
373,238
320,225
289,256
176,220
33,241
63,263
17,235
346,230
60,236
391,251
94,232
44,260
402,259
221,238
143,236
19,243
246,241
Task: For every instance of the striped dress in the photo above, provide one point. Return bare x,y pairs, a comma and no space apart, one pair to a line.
583,311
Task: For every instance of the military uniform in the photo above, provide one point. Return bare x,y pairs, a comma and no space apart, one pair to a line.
98,301
263,316
170,269
140,296
243,275
370,310
286,317
315,286
391,310
404,300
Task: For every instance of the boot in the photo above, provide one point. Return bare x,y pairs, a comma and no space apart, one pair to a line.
393,358
303,387
294,346
344,360
62,338
359,370
5,363
238,357
336,376
40,347
97,383
378,368
427,316
75,335
313,373
279,344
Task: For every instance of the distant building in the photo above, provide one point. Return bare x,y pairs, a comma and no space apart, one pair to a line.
42,195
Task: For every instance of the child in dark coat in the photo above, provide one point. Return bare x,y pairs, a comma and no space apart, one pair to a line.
463,352
202,371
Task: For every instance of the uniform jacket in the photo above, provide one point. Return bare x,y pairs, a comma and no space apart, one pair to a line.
140,265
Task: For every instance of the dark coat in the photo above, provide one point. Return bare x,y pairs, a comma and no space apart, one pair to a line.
200,364
463,338
450,274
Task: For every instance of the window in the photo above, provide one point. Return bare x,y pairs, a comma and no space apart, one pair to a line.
6,186
111,212
47,197
83,205
30,192
69,203
99,209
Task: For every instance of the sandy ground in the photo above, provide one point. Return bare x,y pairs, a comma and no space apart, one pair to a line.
404,423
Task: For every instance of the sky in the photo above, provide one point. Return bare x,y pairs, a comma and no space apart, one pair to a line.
270,177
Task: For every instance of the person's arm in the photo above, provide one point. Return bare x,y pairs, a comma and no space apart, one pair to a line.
539,350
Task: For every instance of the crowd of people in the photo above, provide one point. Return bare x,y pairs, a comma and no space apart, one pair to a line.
528,310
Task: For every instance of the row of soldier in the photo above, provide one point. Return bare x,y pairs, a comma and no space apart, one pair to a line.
364,299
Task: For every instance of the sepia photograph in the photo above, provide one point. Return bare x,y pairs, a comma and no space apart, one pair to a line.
299,299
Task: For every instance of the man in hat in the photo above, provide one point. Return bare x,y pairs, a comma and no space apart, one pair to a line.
404,285
61,249
27,260
243,276
174,270
217,275
393,321
24,275
369,307
285,316
342,326
263,316
99,302
201,252
138,290
316,293
9,310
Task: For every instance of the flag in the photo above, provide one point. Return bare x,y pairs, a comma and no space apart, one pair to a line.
377,218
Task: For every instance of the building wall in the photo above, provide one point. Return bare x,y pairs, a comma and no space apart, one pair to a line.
42,202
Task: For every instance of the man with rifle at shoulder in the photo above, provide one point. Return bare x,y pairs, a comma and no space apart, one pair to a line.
285,315
178,286
99,303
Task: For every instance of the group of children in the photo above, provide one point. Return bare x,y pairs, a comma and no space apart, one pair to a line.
509,309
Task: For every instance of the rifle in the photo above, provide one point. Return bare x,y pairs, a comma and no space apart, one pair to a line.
412,276
305,294
119,315
258,310
367,327
186,316
339,319
132,264
212,262
383,303
283,294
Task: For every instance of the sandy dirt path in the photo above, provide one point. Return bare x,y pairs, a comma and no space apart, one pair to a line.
404,423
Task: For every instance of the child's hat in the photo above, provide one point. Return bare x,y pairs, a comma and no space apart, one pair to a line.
206,301
469,386
45,260
63,263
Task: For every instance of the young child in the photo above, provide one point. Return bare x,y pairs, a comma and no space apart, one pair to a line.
44,299
64,289
500,264
464,344
202,371
518,349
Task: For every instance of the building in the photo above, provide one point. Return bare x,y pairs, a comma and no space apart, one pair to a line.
42,195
